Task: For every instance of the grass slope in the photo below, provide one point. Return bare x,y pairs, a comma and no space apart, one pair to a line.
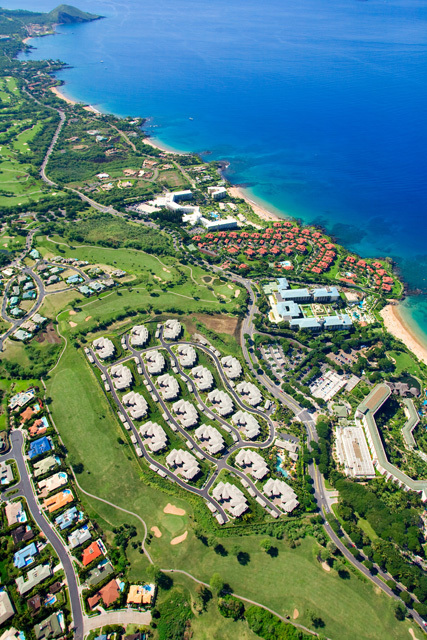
89,429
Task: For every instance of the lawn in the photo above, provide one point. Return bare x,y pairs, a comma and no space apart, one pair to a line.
405,363
22,140
292,580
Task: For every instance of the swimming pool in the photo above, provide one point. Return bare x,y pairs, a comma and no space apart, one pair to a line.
280,469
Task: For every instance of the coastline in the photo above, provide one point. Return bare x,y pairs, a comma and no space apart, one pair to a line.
399,328
61,96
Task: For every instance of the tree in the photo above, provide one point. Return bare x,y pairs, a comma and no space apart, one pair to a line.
266,544
231,607
216,583
400,611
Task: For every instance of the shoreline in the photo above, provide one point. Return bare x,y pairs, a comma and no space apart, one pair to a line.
399,328
87,107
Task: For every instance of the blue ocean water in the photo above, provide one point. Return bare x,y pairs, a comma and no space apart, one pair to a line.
320,107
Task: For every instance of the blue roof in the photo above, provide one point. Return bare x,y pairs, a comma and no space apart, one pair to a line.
73,279
39,446
66,519
283,282
25,556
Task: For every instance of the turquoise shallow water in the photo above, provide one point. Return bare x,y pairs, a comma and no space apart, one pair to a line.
320,108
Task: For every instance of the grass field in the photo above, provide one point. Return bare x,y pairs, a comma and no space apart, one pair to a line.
405,363
292,580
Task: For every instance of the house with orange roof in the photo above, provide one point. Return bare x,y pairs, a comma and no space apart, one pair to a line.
243,266
58,500
91,553
139,594
109,593
386,287
277,224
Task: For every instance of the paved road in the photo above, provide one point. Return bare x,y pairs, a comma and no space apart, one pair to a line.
25,489
39,301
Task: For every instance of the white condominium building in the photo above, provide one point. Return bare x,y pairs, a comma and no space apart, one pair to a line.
353,452
247,424
252,462
231,498
154,436
103,348
135,404
138,335
250,393
168,386
221,402
155,362
171,329
183,463
210,438
121,376
187,355
232,367
186,413
281,494
202,377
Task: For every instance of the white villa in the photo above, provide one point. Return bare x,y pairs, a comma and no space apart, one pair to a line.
138,335
202,377
187,355
135,404
186,413
154,435
247,424
103,348
281,494
155,362
183,463
231,498
221,402
232,367
171,329
121,376
250,393
168,386
210,438
252,462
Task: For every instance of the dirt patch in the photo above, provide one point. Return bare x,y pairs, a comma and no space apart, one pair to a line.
173,510
49,335
179,539
218,323
72,324
72,312
88,318
295,614
80,147
412,633
326,567
156,531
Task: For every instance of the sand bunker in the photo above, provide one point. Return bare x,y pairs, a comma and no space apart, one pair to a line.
72,324
325,566
175,511
179,539
156,531
72,312
167,270
88,318
236,293
411,631
295,614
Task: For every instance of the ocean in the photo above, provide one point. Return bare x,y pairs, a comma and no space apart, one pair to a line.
319,107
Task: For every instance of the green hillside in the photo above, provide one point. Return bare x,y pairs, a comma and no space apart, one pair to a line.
65,14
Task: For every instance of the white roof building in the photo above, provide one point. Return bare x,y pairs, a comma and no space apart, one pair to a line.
183,463
6,607
353,452
168,386
217,193
135,404
171,329
53,482
250,393
202,377
103,347
281,494
252,462
246,423
138,335
121,376
155,362
154,436
210,438
78,537
231,498
187,355
232,367
290,447
186,413
221,402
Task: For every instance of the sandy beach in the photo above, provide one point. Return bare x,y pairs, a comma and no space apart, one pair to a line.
396,325
160,147
264,214
57,92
